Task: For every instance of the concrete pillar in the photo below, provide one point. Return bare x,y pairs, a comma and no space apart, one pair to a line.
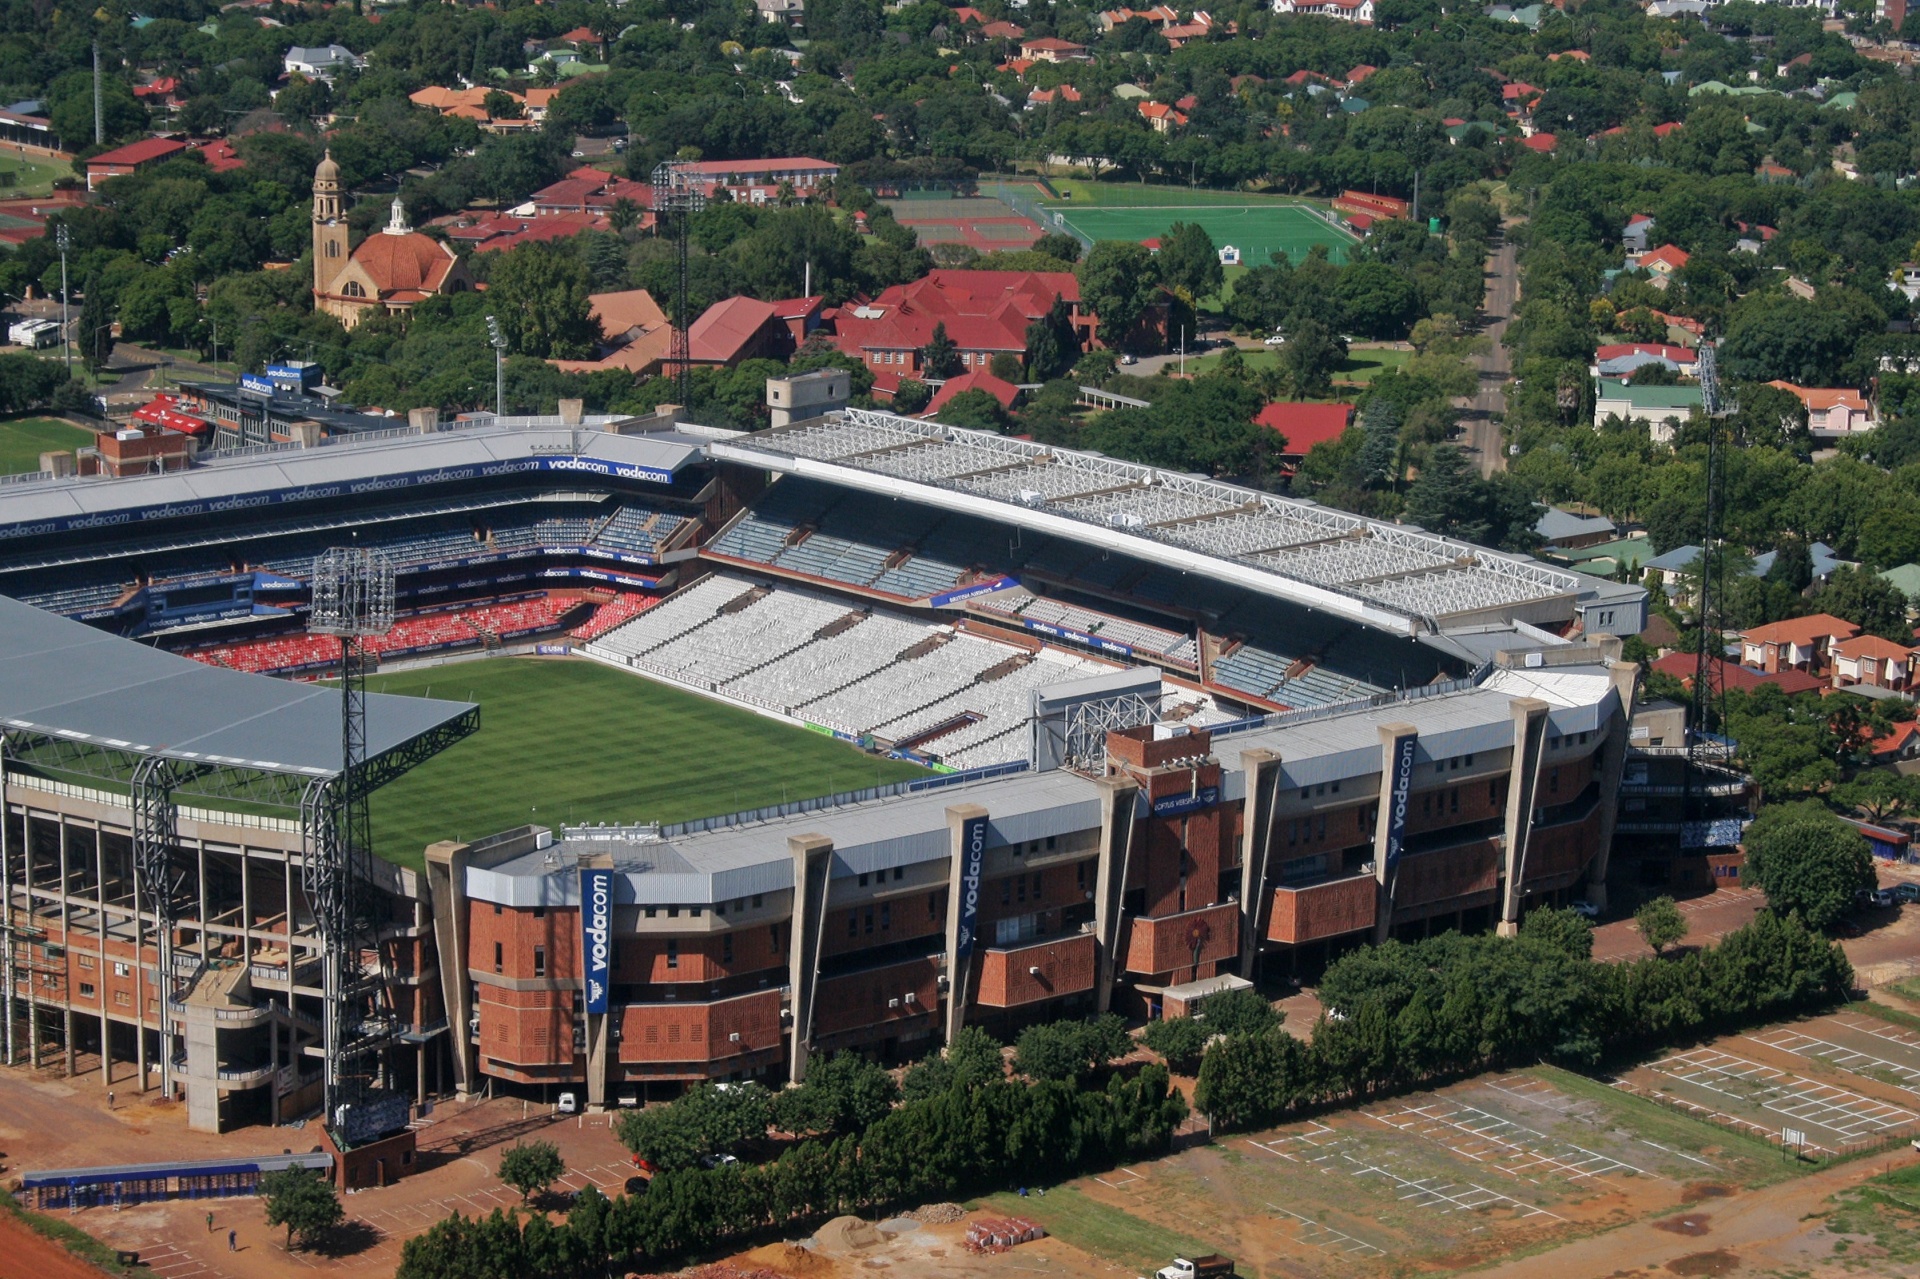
571,411
599,1025
68,986
1262,768
100,986
812,871
1398,745
1117,796
966,854
139,989
1626,683
446,886
1523,779
33,994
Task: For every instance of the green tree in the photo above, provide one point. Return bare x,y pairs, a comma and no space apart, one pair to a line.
1180,1040
1660,923
1808,862
911,396
1239,1012
1119,280
972,1059
95,324
1878,795
531,1167
623,214
708,1120
974,410
1310,358
539,292
1448,496
1189,263
302,1201
1006,366
1869,601
1059,245
940,358
1053,344
1377,301
501,106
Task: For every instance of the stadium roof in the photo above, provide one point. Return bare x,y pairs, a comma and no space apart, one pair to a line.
247,480
65,680
1394,577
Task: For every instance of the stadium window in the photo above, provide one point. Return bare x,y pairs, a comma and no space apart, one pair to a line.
539,912
863,879
121,998
539,961
1306,792
773,937
673,954
1051,841
1323,827
1021,886
933,905
496,908
122,970
499,957
695,912
86,961
1079,874
886,916
1006,892
1469,759
673,912
1036,884
1553,780
1453,800
1493,792
1426,805
758,898
899,873
853,923
650,912
869,921
86,990
726,948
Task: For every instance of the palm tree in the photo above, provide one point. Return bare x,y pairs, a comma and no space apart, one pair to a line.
623,214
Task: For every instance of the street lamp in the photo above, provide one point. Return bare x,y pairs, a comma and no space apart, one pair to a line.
499,345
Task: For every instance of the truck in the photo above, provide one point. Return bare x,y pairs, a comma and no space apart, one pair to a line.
1211,1266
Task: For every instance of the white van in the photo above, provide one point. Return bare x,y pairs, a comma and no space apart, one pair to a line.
569,1103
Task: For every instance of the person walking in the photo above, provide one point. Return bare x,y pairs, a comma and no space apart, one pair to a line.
233,1241
209,1223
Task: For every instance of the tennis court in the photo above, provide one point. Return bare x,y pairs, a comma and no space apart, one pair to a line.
1256,229
983,222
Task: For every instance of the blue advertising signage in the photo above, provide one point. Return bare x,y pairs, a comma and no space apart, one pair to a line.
965,593
255,383
1401,783
973,856
596,934
1173,805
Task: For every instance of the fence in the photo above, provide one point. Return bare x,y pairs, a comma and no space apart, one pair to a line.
1027,207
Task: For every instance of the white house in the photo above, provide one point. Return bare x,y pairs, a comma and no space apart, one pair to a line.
1356,11
324,62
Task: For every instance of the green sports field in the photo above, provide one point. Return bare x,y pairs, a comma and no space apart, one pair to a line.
23,440
564,741
1257,225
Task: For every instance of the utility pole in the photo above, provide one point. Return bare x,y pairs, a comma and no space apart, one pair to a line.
499,345
99,114
66,338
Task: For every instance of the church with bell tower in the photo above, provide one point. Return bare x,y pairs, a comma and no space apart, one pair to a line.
392,269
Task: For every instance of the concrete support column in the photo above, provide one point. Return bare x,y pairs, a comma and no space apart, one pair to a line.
100,986
1523,780
812,872
1116,850
33,994
1262,768
446,886
966,854
67,984
1398,745
140,989
1626,683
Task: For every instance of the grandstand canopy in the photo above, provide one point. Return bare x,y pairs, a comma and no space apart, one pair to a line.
66,681
1393,577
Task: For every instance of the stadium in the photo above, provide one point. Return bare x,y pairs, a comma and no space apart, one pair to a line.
692,754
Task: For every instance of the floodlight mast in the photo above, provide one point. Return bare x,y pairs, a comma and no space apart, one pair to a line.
676,197
352,600
499,345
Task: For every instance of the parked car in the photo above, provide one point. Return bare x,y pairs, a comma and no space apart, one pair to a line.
717,1161
1278,339
1128,359
1584,909
569,1103
1906,892
639,1185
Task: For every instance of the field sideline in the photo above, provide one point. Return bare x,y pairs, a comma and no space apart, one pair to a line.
573,741
24,439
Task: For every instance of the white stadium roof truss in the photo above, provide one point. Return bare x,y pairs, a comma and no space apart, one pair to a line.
1389,576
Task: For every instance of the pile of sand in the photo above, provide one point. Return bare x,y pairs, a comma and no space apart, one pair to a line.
788,1259
938,1214
847,1234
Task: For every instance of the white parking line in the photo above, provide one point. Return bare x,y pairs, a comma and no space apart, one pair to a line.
1854,1117
1510,1148
1327,1239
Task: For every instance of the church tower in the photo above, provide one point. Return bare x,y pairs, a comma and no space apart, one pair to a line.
329,226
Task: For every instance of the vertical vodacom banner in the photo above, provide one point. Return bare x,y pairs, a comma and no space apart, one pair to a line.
973,855
1398,797
596,934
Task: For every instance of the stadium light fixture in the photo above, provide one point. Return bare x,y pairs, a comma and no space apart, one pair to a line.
499,345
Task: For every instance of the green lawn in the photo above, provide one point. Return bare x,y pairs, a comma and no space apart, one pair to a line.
572,741
1091,1226
23,440
32,175
1360,366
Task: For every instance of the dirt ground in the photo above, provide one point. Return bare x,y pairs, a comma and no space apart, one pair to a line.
24,1253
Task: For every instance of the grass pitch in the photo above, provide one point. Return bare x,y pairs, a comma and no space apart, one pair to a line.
1257,225
23,440
571,741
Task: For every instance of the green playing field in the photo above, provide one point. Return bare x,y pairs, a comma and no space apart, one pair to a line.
1258,228
23,440
571,741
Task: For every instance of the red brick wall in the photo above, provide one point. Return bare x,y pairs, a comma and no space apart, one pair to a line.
1299,836
1066,968
1302,915
673,1032
526,1027
1433,807
906,917
1561,850
860,999
1436,877
1163,945
518,931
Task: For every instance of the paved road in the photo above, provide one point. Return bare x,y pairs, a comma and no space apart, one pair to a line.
1476,412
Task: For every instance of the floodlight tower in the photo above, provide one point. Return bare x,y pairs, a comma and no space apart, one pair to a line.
352,600
675,196
1718,406
499,345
